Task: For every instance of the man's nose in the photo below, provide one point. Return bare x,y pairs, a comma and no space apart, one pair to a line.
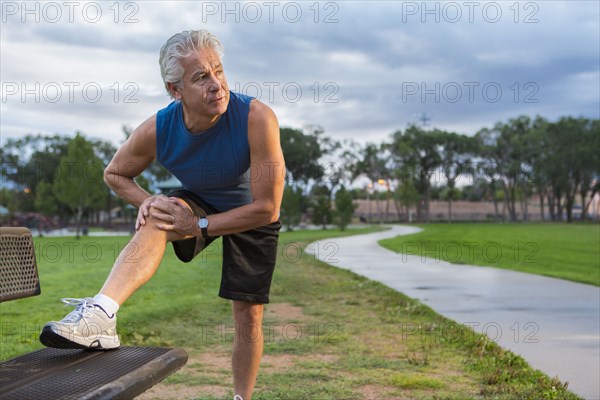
214,84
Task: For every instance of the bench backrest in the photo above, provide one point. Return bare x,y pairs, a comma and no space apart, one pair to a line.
18,268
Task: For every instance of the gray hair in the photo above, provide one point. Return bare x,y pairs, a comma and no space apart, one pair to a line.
180,46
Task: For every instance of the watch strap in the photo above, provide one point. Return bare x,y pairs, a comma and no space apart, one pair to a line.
203,230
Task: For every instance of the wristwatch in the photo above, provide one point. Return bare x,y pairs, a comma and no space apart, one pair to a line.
203,225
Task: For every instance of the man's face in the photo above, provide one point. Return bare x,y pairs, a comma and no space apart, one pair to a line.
204,88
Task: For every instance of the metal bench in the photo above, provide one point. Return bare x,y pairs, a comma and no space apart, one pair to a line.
64,373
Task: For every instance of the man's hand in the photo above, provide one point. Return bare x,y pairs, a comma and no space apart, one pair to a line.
144,210
177,217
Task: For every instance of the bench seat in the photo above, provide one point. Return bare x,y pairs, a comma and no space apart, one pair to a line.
83,374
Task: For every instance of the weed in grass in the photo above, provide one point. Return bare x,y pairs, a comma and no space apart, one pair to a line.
505,373
417,359
415,381
552,389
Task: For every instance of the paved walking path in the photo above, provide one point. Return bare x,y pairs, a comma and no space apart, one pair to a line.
554,324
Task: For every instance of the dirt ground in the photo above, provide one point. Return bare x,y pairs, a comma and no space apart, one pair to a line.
216,366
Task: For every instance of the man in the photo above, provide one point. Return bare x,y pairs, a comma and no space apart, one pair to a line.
224,147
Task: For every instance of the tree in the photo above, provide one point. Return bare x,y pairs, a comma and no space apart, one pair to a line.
45,200
78,183
344,207
417,153
321,205
29,160
476,191
456,160
591,180
341,170
567,163
508,146
373,163
8,198
291,206
487,171
407,195
302,153
540,173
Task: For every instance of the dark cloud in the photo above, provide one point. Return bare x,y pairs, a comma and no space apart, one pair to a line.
365,59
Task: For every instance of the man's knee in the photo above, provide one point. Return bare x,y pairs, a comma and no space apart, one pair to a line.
248,321
152,225
245,312
151,221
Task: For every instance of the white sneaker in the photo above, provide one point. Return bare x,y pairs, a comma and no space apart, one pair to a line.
86,327
237,397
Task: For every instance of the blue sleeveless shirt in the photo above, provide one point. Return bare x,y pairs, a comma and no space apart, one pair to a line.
214,164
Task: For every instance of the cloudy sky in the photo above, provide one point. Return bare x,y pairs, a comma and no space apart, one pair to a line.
361,70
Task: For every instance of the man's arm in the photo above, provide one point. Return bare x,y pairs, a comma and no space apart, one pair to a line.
267,174
130,160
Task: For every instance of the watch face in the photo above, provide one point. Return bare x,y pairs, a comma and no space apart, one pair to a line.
203,223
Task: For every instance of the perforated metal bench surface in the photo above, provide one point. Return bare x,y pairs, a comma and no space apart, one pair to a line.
18,269
70,374
80,374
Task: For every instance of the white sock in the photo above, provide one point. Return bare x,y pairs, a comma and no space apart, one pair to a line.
109,306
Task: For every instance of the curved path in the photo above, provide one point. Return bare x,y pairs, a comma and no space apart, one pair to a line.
554,324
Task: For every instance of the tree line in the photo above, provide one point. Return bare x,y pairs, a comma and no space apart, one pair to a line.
509,163
62,176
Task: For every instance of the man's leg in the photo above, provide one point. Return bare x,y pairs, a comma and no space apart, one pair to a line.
249,260
138,261
91,325
247,347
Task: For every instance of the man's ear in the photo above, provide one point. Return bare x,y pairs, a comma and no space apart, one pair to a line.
174,90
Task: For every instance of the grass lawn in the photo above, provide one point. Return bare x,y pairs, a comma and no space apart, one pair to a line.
567,251
329,334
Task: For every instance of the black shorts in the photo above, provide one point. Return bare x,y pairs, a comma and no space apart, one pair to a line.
248,257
